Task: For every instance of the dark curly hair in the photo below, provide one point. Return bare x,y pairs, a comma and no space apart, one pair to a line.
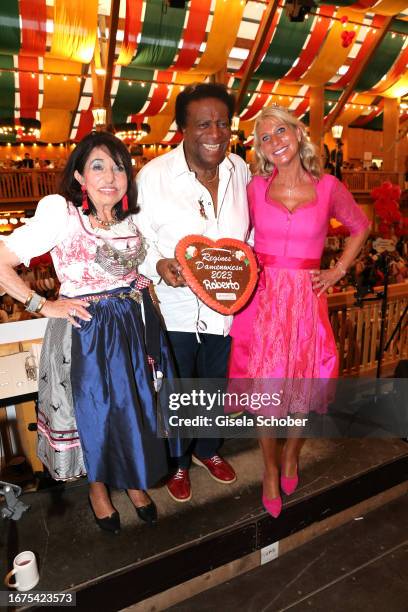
71,189
200,91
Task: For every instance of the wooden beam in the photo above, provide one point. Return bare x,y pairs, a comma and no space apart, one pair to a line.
316,115
256,48
390,134
113,29
335,112
102,84
221,76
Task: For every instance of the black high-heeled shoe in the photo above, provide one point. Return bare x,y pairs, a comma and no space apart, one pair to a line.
108,523
147,513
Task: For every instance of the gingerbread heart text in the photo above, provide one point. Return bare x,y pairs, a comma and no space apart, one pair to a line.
221,273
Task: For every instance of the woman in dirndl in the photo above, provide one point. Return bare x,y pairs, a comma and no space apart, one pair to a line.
104,349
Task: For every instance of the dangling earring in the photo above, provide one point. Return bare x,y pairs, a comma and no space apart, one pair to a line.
85,204
125,203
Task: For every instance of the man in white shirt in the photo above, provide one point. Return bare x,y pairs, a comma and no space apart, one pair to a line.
194,189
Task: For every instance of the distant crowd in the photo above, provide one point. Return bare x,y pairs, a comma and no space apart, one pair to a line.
28,163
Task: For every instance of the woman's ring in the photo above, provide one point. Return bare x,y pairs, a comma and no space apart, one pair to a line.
72,312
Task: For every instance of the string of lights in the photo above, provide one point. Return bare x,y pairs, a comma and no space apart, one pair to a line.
131,82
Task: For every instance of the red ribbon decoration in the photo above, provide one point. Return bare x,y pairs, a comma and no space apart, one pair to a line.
159,96
176,139
194,34
303,106
364,50
33,32
259,102
133,24
29,86
367,118
85,123
33,15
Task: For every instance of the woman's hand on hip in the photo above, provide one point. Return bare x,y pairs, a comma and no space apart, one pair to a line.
323,279
67,309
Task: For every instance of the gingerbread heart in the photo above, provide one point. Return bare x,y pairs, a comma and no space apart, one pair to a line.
223,273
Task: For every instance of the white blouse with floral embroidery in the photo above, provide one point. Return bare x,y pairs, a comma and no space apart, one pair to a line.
62,229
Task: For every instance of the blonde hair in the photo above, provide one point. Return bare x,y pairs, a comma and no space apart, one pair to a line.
307,150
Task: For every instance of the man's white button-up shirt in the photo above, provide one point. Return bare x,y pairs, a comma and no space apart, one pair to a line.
169,196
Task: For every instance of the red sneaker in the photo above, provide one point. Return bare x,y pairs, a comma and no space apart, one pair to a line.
179,487
217,468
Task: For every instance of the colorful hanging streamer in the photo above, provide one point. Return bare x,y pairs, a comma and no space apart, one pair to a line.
287,42
55,124
332,55
265,45
75,26
221,38
381,62
33,15
398,89
133,25
172,138
313,45
390,7
365,49
395,73
85,123
129,100
194,34
259,102
9,27
7,87
352,110
364,119
29,86
159,93
160,124
61,96
161,24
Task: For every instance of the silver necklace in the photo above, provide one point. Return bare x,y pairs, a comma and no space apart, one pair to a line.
292,188
291,191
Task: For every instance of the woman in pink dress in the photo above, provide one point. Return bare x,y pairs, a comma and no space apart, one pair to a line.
284,332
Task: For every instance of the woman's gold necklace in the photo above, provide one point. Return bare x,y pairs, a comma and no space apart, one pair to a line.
114,221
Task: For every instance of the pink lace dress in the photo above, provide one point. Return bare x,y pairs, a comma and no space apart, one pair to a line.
284,332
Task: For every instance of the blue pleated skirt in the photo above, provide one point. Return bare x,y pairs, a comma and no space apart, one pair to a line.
115,403
98,410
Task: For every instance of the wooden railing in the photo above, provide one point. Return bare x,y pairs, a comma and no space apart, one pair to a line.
27,185
31,185
362,181
357,331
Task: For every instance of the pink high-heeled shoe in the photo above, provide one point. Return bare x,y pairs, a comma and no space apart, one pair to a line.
273,506
289,485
